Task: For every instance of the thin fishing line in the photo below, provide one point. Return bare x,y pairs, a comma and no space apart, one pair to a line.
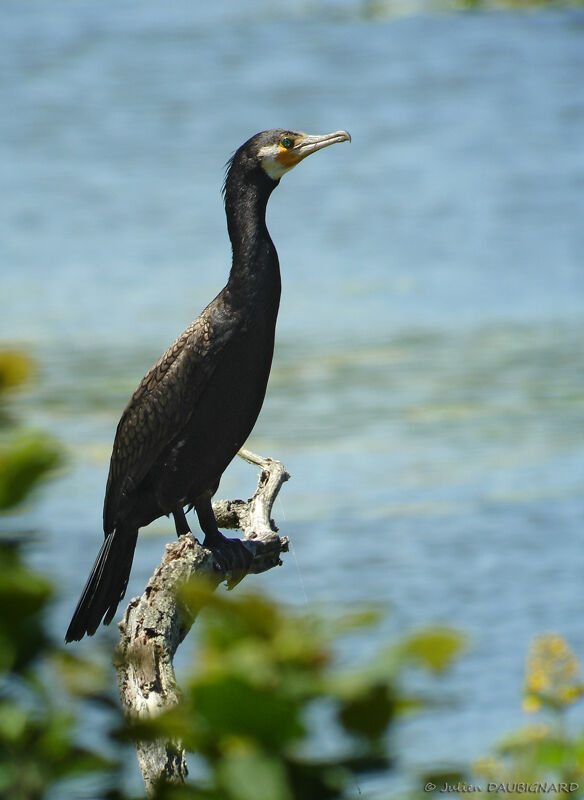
300,578
295,557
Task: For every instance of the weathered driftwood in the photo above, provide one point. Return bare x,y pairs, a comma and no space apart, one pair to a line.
154,625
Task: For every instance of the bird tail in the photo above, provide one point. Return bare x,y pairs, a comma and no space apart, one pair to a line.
106,584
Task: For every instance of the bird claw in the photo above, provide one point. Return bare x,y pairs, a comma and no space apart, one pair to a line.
231,558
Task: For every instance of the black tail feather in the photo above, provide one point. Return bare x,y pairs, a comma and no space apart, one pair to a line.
105,586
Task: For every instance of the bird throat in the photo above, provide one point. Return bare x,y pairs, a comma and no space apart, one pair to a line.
255,267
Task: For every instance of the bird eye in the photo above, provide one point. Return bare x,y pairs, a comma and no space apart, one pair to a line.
287,143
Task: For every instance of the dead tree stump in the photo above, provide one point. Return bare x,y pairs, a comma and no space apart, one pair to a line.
154,625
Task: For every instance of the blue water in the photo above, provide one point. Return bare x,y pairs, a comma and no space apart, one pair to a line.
427,390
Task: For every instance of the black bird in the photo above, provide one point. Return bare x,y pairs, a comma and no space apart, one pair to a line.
196,407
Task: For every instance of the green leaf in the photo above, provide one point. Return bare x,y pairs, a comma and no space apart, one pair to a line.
231,706
15,369
23,595
253,776
434,648
13,721
82,677
369,713
23,463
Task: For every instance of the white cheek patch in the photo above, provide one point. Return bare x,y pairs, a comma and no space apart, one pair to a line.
270,162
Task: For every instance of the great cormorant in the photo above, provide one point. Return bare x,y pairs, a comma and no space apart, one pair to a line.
196,407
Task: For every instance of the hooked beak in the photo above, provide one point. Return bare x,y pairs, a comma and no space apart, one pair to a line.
310,144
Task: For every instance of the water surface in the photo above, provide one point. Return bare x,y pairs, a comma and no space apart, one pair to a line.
427,386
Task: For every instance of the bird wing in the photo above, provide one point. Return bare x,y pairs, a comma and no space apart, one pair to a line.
164,402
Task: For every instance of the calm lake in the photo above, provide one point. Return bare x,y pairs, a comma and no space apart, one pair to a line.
427,390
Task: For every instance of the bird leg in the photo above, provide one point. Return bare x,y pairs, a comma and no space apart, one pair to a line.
231,555
180,521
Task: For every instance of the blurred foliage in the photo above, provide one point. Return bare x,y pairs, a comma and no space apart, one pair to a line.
265,686
263,679
26,457
542,757
544,750
23,596
515,4
37,731
251,702
381,9
16,369
37,728
552,676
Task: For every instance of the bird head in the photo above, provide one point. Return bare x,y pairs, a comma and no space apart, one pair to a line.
278,151
268,155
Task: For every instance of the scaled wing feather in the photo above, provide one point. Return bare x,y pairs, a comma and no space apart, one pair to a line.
160,407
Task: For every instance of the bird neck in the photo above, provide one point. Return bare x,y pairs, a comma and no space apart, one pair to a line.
255,269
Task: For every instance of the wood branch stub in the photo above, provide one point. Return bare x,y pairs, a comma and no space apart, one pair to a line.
154,625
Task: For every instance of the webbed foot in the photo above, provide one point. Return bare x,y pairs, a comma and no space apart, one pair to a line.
231,557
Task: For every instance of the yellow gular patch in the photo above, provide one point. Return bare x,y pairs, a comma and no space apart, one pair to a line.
287,158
